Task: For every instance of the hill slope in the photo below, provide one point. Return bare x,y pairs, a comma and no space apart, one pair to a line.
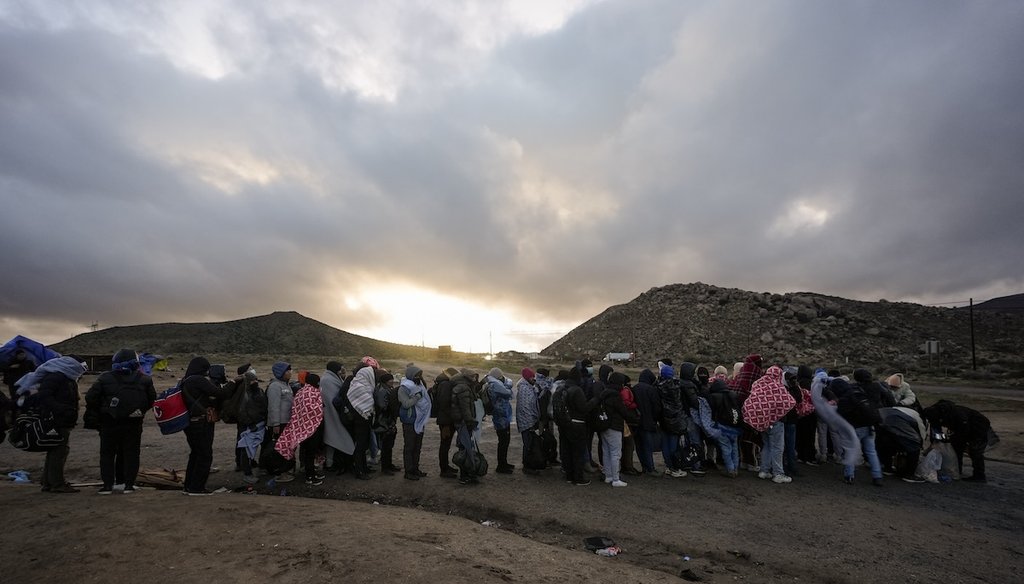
708,324
280,333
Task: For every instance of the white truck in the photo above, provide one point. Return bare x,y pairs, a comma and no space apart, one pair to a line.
619,357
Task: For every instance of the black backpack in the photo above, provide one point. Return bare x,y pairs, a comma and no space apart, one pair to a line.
231,406
599,418
856,408
560,406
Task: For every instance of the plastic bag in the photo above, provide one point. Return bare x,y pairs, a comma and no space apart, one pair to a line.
929,466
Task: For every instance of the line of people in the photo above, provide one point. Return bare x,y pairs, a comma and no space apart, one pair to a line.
764,420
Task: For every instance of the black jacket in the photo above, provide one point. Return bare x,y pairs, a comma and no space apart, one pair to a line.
463,396
725,404
58,395
253,408
673,416
618,415
965,426
648,401
133,390
688,386
443,401
197,389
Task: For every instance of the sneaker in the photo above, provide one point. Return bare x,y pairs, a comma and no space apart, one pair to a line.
888,472
284,478
128,490
104,491
764,475
449,474
848,480
250,479
652,473
974,479
608,481
698,472
618,484
203,493
118,486
582,483
65,488
315,481
422,474
876,482
678,473
914,479
781,479
412,476
504,469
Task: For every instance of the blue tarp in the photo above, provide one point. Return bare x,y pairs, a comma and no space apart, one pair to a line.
147,360
35,350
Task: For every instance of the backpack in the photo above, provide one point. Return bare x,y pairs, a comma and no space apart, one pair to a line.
537,456
560,406
170,411
484,396
233,405
856,408
34,432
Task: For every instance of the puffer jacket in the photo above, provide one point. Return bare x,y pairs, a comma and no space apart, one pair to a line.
501,406
688,385
648,401
463,396
673,416
199,392
443,401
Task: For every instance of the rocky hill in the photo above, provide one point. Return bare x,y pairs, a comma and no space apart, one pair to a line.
708,324
277,334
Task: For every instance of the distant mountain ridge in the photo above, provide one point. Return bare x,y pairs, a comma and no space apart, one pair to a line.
279,333
707,324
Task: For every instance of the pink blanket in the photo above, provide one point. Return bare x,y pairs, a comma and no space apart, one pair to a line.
768,401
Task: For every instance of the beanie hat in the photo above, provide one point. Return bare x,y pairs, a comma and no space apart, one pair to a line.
370,361
334,367
667,372
242,369
412,371
544,371
528,374
125,360
302,376
279,368
721,371
895,380
496,373
862,376
313,379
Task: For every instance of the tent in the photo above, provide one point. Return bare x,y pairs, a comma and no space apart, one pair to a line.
36,351
150,362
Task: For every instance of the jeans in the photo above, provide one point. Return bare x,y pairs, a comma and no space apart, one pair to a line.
611,444
645,448
412,445
771,453
199,434
528,437
728,443
866,435
789,451
445,447
120,442
669,446
824,432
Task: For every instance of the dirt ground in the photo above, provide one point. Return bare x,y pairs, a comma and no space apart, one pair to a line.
709,529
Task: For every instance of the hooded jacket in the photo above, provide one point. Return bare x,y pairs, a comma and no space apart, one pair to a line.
725,404
199,392
335,433
750,372
769,400
134,392
673,414
648,401
688,384
414,395
280,397
360,391
880,396
443,400
611,398
527,404
58,392
501,408
463,396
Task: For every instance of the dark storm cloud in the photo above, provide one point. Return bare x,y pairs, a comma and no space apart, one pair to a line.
864,150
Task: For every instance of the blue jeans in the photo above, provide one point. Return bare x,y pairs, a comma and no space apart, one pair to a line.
789,454
771,453
645,449
728,443
669,445
866,435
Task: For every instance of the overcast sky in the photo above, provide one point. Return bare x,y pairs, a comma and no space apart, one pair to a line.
454,172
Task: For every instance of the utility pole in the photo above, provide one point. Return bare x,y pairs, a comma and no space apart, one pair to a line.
974,356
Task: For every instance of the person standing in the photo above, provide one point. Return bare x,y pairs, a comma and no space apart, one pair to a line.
648,402
280,397
673,419
442,403
19,366
611,438
252,420
464,417
337,440
52,389
414,413
201,397
577,432
527,413
305,428
360,396
500,391
120,399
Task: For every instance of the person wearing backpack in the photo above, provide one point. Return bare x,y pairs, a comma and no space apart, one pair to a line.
673,419
415,403
251,419
499,390
280,397
576,430
611,436
385,419
442,403
338,442
464,416
120,399
725,411
360,395
52,390
856,408
201,396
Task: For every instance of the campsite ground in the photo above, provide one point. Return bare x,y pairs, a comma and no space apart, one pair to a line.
816,529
